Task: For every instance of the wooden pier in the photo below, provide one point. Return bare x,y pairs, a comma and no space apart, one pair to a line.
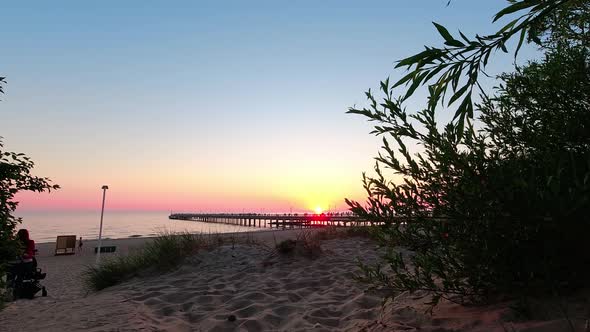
285,220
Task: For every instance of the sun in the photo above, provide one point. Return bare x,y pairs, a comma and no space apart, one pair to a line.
318,209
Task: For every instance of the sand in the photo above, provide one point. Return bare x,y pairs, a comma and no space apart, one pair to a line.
242,288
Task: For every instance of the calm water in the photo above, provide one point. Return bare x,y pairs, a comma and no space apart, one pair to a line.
45,226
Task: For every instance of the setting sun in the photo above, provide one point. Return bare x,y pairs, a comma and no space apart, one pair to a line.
318,209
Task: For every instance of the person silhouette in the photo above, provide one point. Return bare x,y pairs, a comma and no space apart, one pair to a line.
80,244
27,258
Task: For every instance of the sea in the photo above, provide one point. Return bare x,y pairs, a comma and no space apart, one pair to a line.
45,226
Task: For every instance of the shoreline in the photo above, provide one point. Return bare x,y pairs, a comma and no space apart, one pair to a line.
125,245
262,230
45,227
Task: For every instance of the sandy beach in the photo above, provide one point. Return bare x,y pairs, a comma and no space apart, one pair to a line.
242,288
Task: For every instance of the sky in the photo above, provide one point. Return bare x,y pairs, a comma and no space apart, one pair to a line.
207,105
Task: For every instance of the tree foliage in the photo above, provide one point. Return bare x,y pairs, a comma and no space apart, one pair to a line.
15,176
499,204
451,72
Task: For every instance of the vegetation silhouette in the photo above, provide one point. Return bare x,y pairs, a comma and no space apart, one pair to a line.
15,176
497,203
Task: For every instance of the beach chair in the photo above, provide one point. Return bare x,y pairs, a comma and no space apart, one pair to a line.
65,245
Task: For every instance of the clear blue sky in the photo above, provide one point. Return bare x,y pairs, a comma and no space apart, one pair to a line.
207,105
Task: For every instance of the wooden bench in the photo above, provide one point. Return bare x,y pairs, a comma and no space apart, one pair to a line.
65,245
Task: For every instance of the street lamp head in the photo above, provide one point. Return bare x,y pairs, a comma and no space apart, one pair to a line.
105,187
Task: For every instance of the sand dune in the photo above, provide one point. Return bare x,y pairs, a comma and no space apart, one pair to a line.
241,289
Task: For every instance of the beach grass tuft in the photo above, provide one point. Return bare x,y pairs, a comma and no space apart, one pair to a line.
308,241
168,250
162,254
309,244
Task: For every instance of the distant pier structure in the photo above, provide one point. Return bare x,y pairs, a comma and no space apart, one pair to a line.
285,220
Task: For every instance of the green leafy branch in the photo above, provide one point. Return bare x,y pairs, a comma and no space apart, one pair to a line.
455,68
2,81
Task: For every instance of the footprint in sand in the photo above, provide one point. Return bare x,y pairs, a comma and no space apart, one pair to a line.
284,310
166,311
272,319
325,312
235,305
252,325
326,321
249,311
253,296
218,286
294,297
146,296
176,298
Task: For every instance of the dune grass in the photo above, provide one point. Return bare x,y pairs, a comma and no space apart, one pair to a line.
308,241
162,254
168,250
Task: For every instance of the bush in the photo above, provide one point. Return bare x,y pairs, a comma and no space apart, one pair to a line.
15,176
286,247
499,207
308,244
308,241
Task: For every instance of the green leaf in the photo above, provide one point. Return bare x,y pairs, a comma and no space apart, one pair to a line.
434,72
515,7
385,85
444,32
454,43
460,126
520,41
509,25
404,79
486,58
467,40
503,47
459,93
415,84
462,110
414,58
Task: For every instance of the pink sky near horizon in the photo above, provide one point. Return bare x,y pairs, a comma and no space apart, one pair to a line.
281,186
176,202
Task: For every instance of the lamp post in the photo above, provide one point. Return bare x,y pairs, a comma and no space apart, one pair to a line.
104,193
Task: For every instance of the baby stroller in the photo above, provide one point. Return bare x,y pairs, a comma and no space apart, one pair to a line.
23,279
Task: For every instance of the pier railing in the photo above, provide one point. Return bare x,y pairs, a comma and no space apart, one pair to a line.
285,220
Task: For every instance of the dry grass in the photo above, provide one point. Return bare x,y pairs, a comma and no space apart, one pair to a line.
308,241
168,250
162,254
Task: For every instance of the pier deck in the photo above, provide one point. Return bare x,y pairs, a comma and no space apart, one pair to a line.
285,220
